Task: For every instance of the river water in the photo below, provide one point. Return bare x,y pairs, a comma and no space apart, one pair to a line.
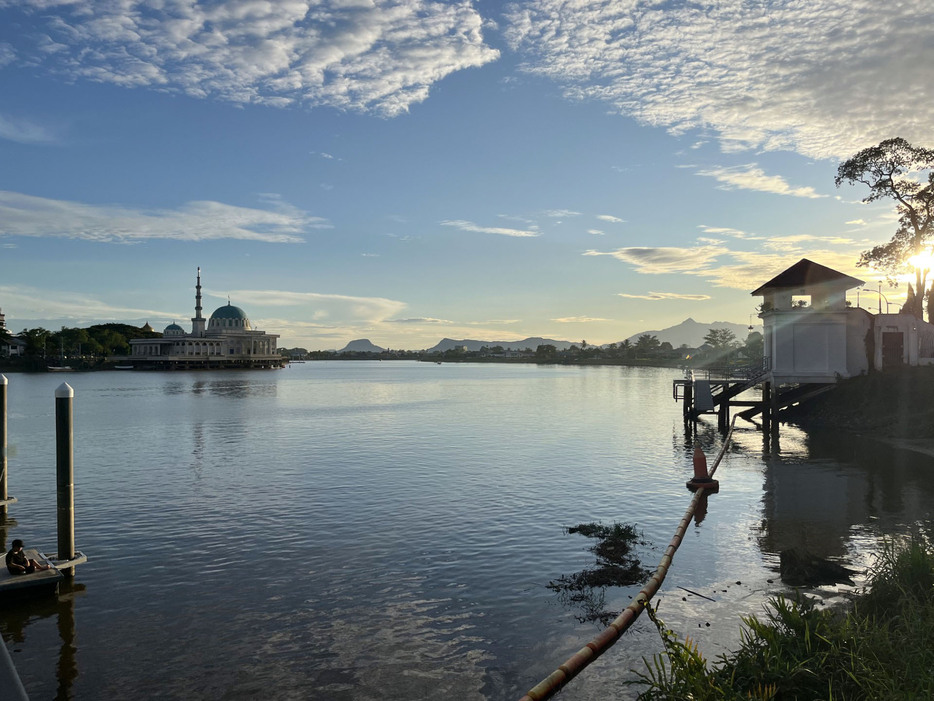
388,530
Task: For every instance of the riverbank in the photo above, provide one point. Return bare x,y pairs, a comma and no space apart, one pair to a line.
879,648
894,405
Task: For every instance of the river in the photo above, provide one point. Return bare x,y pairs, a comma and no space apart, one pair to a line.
388,530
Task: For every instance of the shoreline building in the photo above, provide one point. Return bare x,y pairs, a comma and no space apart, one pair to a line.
225,341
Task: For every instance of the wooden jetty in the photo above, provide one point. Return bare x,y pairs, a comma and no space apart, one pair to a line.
718,390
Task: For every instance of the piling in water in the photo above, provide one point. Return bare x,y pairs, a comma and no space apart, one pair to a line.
65,473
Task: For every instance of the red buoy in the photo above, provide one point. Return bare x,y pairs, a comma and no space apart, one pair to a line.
701,479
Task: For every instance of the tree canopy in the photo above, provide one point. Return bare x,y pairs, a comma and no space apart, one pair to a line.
720,339
896,170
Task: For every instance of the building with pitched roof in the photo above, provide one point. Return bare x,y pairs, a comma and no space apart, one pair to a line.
812,335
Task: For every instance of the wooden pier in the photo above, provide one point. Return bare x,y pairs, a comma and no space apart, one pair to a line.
717,391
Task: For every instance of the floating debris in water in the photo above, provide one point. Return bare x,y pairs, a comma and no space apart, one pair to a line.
617,566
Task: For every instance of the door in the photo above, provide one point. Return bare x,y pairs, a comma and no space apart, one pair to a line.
893,349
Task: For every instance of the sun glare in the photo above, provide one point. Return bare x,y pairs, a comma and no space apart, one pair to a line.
924,261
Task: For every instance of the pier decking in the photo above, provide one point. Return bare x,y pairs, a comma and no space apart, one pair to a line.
37,583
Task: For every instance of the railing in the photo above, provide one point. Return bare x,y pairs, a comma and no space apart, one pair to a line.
733,372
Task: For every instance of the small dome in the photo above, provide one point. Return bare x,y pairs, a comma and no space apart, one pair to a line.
147,327
229,318
173,330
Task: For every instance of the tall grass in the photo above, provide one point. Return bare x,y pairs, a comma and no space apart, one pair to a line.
882,647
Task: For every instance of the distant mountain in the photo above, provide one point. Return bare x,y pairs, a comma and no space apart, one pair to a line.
471,345
361,345
691,333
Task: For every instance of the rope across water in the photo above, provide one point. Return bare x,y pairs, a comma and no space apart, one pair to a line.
577,662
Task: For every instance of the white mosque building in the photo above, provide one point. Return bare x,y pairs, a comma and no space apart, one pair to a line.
226,340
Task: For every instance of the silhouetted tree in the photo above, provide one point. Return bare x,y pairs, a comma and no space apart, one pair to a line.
888,171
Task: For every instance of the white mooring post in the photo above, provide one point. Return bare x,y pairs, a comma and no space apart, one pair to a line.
65,473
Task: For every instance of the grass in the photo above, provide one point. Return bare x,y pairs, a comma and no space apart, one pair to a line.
881,647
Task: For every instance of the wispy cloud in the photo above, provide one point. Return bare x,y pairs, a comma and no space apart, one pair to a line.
656,296
595,232
723,267
24,131
610,218
824,78
320,307
578,319
794,242
34,303
731,232
26,215
500,231
655,261
561,213
751,177
377,57
419,320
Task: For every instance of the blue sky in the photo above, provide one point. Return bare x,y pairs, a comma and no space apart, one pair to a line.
408,170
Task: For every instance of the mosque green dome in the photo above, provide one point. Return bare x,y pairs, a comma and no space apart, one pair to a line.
228,311
229,318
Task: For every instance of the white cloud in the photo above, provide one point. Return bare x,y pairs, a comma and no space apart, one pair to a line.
742,270
610,218
24,131
561,213
595,232
501,231
824,78
656,296
331,308
34,303
578,319
26,215
793,242
729,231
377,56
751,177
654,261
857,222
420,320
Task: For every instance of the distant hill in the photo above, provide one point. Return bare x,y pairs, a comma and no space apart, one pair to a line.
472,345
691,333
361,345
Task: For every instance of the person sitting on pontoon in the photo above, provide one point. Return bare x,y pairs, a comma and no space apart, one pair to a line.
18,563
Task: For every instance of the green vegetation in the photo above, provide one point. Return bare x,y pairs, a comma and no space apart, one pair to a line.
720,348
879,648
77,348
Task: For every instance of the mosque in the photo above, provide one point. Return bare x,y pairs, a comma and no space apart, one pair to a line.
226,340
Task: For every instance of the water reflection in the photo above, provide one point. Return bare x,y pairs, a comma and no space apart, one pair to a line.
20,615
815,501
237,388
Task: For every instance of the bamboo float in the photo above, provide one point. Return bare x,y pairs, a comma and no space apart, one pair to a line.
577,662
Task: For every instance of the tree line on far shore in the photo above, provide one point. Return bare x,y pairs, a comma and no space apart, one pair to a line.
76,347
720,347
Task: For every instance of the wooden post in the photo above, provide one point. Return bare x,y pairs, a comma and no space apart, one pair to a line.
65,473
766,407
688,400
773,403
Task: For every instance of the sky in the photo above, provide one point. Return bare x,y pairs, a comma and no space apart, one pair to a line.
409,170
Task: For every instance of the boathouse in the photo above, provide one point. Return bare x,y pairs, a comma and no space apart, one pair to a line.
812,334
812,337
